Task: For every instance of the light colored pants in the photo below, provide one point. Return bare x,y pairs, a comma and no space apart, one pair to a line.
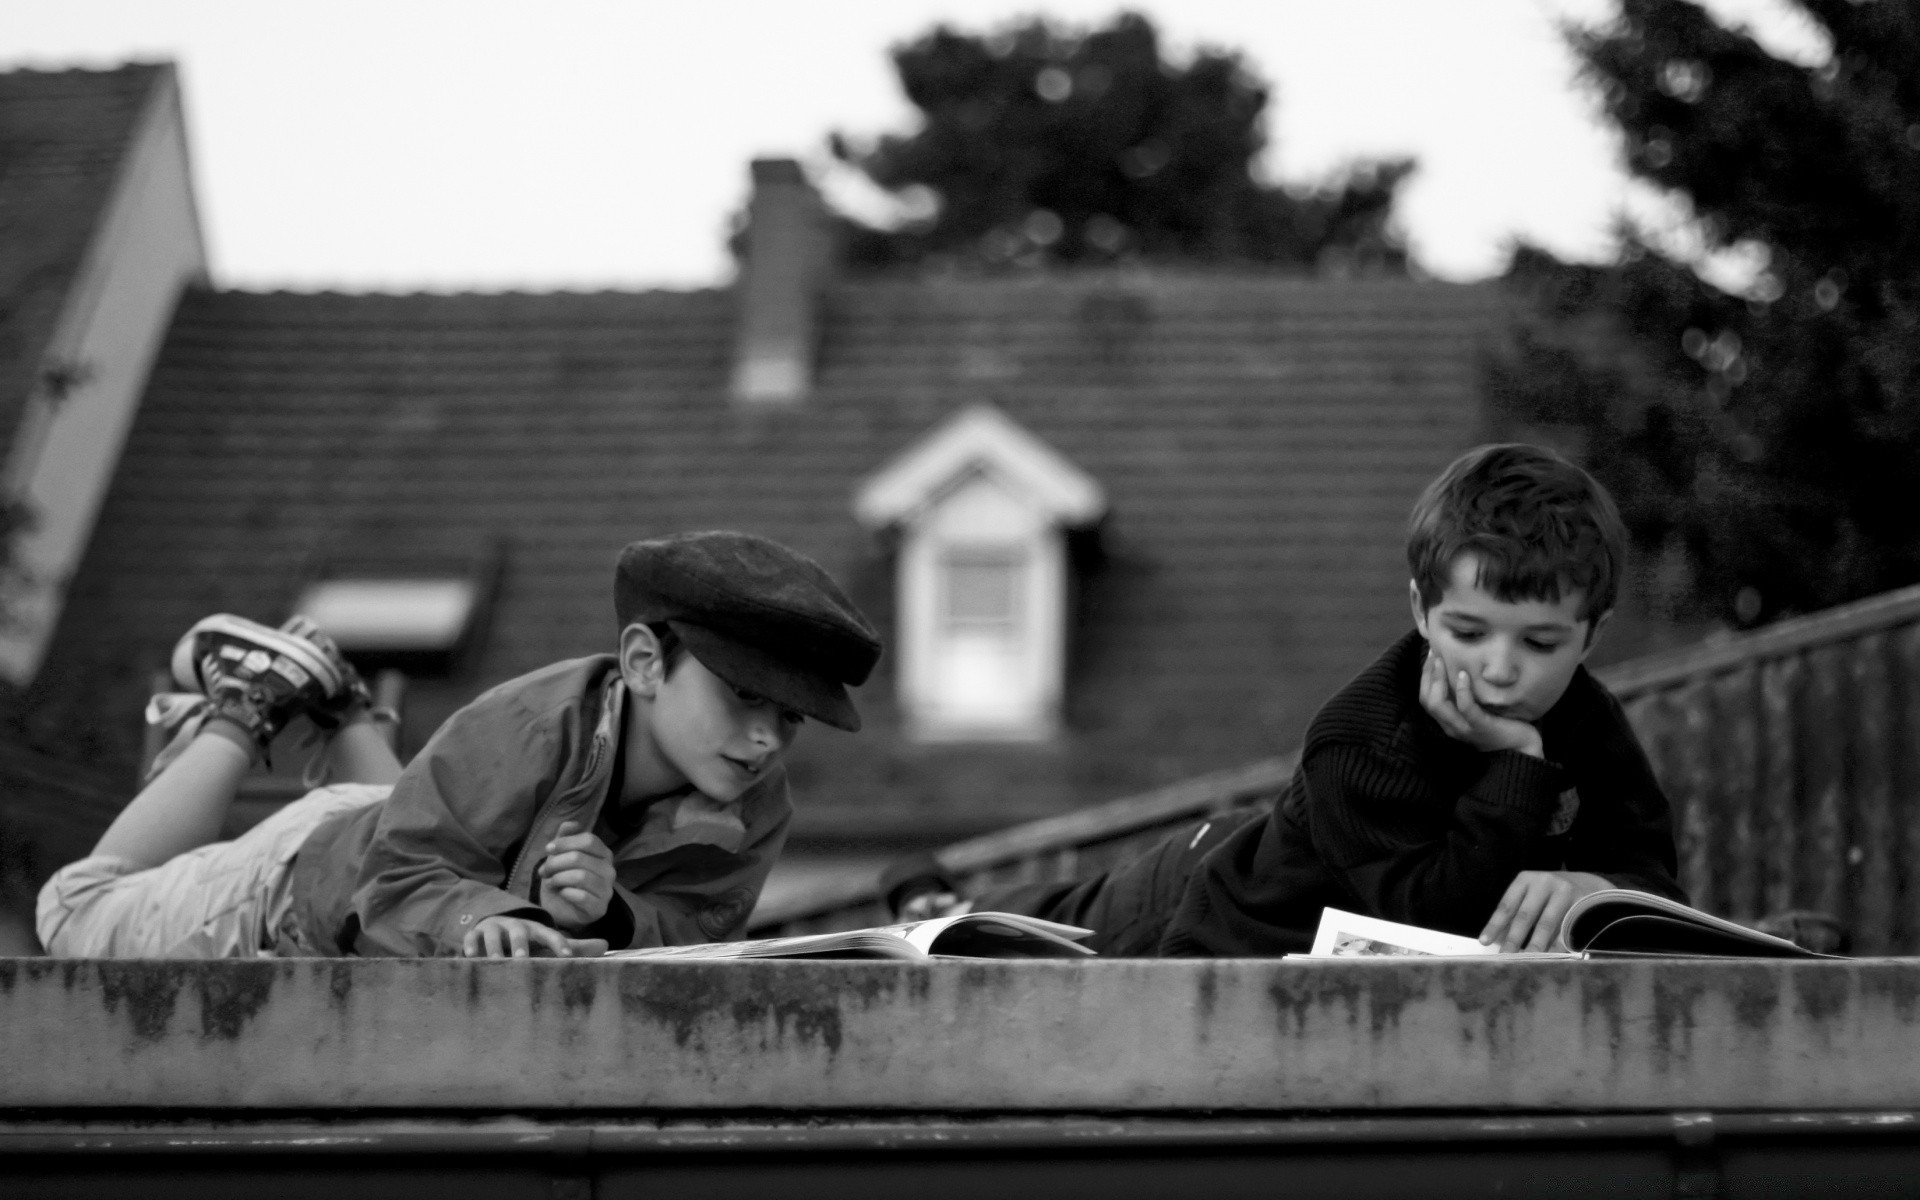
221,900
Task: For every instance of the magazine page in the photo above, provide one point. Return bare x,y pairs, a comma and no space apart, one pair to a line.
1626,921
858,943
994,935
1350,935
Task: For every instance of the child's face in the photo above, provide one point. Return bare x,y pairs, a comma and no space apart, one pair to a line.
718,738
1519,655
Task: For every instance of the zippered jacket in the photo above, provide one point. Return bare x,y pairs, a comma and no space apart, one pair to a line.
462,836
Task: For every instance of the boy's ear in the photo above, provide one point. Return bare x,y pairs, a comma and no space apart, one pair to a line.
1419,610
1593,633
642,665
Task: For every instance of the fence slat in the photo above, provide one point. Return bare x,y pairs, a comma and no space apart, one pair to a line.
1823,722
1736,792
1693,755
1905,664
1781,681
1871,845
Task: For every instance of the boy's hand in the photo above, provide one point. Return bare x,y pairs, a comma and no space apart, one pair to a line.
576,877
1528,917
517,937
1451,703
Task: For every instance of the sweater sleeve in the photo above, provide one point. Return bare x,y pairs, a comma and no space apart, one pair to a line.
1408,852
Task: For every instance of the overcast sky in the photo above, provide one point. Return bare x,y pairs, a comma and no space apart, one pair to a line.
447,144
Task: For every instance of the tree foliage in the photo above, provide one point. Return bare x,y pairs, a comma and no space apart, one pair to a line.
1044,144
1769,442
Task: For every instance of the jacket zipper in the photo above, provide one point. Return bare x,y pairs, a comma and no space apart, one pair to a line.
596,753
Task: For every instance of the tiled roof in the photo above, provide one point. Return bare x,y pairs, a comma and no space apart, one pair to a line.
1259,438
62,137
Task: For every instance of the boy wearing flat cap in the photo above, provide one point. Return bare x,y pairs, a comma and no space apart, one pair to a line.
620,800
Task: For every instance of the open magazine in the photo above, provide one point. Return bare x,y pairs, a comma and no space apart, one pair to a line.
1610,923
968,935
1620,921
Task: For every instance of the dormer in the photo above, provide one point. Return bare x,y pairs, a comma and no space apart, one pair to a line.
982,508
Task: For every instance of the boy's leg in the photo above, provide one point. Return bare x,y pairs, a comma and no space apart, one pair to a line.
357,751
360,753
1128,905
254,680
220,900
184,806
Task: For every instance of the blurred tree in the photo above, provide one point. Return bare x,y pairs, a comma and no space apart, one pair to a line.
1766,444
1042,144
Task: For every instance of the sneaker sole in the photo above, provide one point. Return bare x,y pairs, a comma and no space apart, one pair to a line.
187,674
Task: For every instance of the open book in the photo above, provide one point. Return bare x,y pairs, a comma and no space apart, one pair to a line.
969,935
1610,923
1620,921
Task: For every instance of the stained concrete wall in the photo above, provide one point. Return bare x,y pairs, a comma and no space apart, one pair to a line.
1116,1035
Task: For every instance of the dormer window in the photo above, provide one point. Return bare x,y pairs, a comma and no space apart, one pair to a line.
982,507
981,591
420,616
395,604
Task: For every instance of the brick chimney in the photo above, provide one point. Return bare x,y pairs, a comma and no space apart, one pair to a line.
788,254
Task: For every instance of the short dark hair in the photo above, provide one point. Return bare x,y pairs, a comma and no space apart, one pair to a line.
1539,525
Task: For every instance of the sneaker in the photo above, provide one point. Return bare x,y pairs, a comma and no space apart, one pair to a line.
354,695
257,677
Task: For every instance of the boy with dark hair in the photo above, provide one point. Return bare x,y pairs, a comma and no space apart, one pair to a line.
1474,779
631,799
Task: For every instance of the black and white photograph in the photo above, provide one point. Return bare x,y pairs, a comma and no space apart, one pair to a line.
853,598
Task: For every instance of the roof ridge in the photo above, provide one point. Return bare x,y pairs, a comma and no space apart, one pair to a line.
32,67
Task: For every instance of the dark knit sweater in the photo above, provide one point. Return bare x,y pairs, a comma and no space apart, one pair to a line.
1390,817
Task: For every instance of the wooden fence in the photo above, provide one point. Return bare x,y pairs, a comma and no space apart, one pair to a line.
1791,755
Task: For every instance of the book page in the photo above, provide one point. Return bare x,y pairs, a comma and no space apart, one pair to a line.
1350,935
858,943
1061,939
1626,920
990,935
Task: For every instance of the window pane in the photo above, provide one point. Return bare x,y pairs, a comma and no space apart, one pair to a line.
982,589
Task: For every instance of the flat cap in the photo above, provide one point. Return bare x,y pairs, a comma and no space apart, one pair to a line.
755,613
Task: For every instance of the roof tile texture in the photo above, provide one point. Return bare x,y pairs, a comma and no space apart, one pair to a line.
1260,440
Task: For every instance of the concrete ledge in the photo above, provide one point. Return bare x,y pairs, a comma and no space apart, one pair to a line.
734,1134
952,1036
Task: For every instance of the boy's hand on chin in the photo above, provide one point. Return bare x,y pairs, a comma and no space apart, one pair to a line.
1528,917
1451,703
517,937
